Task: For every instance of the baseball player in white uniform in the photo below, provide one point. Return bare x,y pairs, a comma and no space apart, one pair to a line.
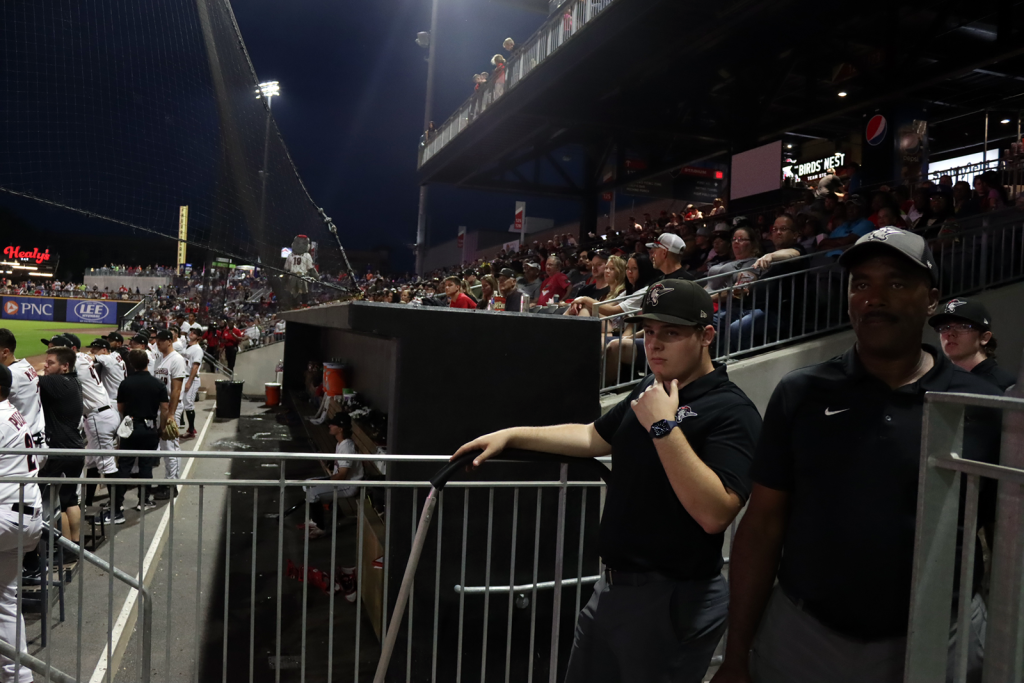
179,343
20,518
110,366
171,370
24,389
193,360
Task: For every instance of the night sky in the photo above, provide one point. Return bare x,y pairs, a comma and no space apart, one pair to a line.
353,85
351,111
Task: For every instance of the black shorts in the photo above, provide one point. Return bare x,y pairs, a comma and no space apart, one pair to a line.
64,467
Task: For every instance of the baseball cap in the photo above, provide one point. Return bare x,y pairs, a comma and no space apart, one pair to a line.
99,343
57,340
971,310
74,339
114,337
907,244
679,302
164,335
673,243
343,420
532,264
704,231
6,378
140,339
507,272
722,227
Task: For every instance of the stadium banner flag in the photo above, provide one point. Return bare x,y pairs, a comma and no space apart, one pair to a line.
519,224
182,234
92,311
460,242
27,308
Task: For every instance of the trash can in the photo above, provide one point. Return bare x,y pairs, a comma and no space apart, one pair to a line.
229,398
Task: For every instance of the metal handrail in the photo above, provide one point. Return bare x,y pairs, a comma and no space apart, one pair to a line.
222,369
555,32
990,253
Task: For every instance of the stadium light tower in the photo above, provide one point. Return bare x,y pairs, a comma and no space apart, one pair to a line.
428,41
267,90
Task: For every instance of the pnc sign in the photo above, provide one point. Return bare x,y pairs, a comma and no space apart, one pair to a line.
27,308
15,252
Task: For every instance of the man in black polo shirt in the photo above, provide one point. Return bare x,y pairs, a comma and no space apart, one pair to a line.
143,398
835,491
965,330
659,609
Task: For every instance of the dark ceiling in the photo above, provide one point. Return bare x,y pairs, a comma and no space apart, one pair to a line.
684,81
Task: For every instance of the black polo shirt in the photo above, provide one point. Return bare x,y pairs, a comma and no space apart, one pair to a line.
990,371
644,526
847,448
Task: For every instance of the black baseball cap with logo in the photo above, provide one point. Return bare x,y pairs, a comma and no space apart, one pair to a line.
164,335
74,339
678,302
507,272
114,337
57,340
99,343
907,244
140,339
960,309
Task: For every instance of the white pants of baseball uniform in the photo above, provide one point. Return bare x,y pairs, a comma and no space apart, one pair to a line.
171,462
325,493
12,525
188,398
100,430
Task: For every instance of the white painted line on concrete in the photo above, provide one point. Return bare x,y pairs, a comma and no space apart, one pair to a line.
126,619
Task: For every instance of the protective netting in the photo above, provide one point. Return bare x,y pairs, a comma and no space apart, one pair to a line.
127,110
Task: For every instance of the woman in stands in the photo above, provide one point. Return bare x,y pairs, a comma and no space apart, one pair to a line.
640,272
489,287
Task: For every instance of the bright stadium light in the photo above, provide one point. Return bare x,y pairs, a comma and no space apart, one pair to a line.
269,89
1005,121
842,93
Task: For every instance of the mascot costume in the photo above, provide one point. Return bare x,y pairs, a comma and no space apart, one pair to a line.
300,265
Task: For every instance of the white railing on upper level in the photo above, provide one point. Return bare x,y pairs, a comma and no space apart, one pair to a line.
555,32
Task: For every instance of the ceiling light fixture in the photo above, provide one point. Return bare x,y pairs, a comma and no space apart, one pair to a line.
842,93
1005,121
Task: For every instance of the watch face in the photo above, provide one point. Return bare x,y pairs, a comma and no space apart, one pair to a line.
661,428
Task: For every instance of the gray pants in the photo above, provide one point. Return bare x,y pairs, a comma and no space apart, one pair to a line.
793,647
662,632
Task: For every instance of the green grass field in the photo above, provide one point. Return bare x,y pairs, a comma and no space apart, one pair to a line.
29,332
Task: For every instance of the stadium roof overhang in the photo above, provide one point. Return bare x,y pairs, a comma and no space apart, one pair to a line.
678,82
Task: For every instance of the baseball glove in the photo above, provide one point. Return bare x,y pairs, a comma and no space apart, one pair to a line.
170,431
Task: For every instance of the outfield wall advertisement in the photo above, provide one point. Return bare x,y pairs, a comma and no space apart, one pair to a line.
27,308
91,311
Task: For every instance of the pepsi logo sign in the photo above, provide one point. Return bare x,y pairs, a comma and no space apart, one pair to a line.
89,311
11,308
875,132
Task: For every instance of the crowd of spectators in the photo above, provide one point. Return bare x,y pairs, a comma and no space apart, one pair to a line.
793,248
141,271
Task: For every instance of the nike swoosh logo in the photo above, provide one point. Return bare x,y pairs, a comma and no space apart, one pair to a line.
835,412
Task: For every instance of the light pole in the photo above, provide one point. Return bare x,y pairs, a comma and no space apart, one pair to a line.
268,91
431,43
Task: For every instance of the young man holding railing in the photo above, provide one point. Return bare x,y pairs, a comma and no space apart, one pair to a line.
832,512
681,446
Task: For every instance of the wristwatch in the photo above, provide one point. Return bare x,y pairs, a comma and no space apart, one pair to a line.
662,428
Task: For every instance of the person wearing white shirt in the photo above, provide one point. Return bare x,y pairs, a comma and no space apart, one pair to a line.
20,523
193,360
24,394
340,427
170,370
